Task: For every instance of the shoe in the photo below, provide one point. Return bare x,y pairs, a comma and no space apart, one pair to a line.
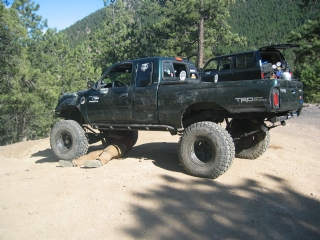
66,163
93,163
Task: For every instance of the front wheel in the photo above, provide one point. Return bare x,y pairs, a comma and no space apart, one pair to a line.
206,150
68,140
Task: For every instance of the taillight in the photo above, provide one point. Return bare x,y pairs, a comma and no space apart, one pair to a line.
276,98
262,75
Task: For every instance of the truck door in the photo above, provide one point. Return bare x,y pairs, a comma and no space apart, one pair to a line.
219,70
210,70
112,102
226,69
144,99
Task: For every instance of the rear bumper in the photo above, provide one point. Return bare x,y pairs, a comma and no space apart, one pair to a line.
286,116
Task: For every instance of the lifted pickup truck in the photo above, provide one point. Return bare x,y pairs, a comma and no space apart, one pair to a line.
216,120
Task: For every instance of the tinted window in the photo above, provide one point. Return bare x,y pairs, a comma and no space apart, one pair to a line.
241,61
245,60
226,63
250,60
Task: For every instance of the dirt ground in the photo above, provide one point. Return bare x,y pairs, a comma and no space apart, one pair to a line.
147,194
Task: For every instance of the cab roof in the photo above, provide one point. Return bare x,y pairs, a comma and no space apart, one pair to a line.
280,46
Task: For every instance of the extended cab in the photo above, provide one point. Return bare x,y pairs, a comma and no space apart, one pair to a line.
167,94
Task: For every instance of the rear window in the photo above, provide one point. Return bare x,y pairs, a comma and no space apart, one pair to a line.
173,70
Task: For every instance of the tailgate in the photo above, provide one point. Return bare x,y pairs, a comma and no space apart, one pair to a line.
291,95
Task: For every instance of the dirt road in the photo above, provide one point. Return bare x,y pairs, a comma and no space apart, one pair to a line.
147,195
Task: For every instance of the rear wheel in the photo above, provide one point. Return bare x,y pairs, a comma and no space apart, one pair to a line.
68,140
206,150
252,146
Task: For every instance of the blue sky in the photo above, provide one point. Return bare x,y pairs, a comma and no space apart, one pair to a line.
63,13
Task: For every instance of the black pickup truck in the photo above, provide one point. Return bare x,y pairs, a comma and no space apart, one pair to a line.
216,120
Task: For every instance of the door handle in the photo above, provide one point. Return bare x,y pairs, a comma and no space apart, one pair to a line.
123,95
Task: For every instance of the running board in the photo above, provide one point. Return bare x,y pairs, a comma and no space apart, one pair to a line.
146,127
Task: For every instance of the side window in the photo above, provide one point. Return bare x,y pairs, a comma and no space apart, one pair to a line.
240,61
168,70
193,73
245,61
250,60
144,74
211,66
226,63
121,75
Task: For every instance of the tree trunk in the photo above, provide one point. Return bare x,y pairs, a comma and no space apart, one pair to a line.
24,127
201,38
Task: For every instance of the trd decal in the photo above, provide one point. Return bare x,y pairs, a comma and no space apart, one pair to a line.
250,99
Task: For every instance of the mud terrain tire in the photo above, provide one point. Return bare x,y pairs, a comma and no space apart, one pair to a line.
133,135
206,150
253,146
68,140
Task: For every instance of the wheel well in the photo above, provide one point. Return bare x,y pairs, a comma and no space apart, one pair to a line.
204,111
72,113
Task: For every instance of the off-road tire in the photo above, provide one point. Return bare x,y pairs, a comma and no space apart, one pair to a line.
253,146
133,135
206,150
68,140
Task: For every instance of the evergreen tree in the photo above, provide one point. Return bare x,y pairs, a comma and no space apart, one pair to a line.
28,17
112,43
190,28
308,58
19,101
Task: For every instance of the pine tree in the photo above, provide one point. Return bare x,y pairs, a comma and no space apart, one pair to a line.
190,28
307,61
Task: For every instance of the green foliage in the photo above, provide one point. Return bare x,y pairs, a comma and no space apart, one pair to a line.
28,17
112,43
309,37
307,61
79,31
171,28
310,76
268,22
